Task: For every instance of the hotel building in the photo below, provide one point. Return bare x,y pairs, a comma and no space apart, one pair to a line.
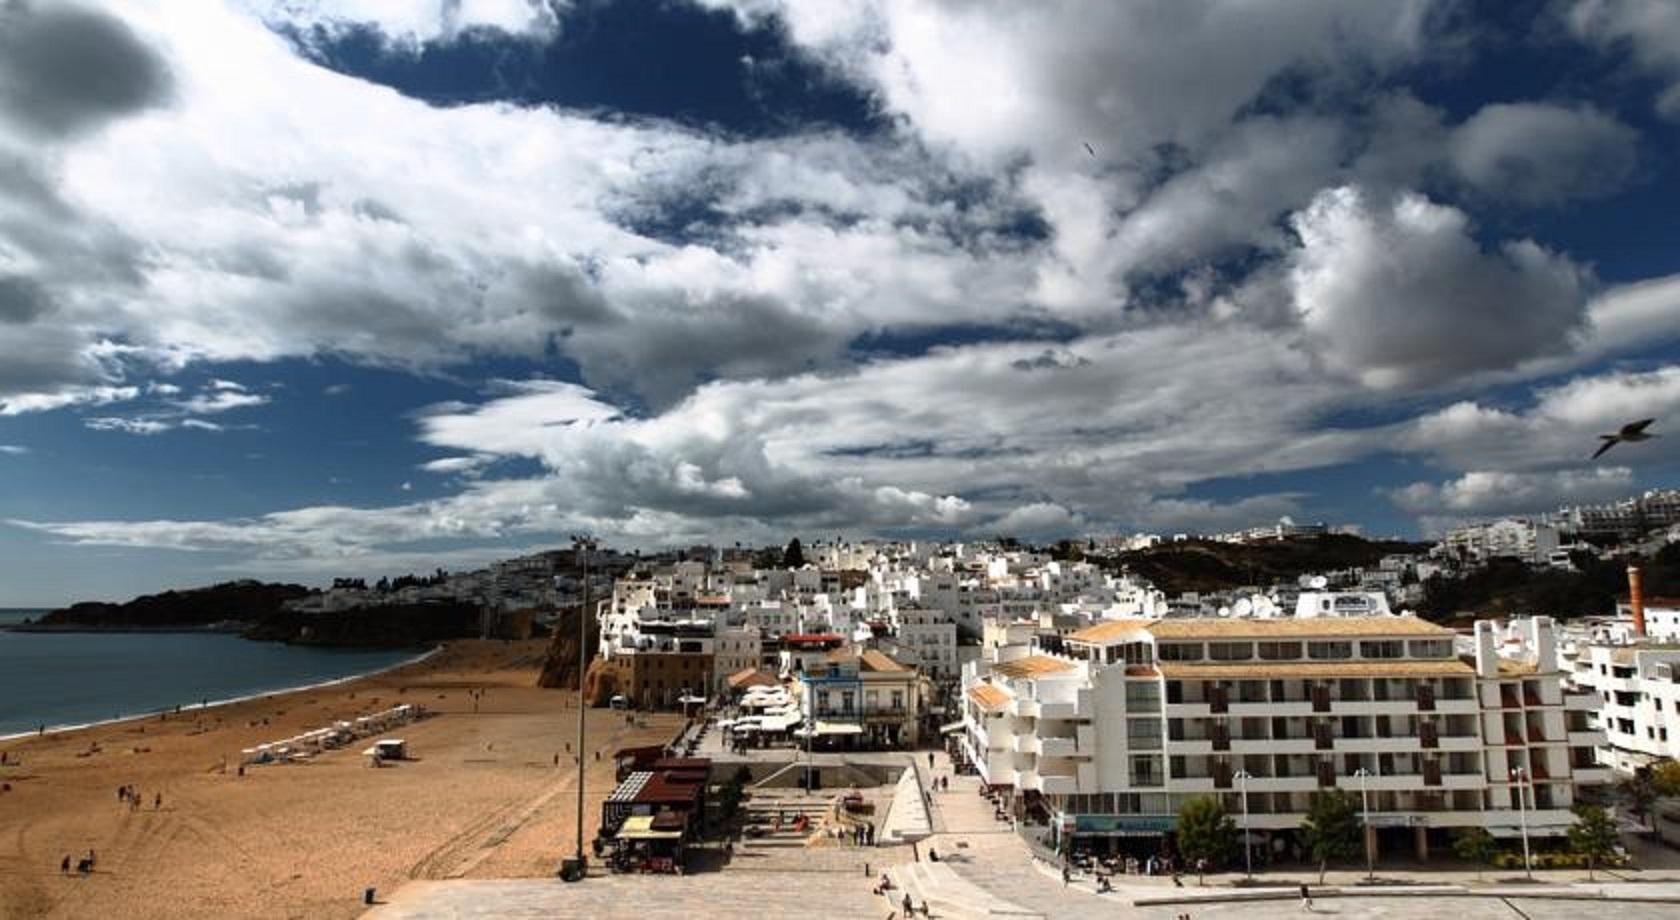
1109,738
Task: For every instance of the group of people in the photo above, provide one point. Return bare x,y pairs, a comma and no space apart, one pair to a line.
83,865
860,835
131,796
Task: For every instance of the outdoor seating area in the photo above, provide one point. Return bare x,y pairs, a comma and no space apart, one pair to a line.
657,809
765,717
303,747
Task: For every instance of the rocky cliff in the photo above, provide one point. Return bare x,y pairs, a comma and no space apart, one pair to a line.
385,626
560,665
241,601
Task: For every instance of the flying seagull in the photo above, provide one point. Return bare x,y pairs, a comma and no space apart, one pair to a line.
1089,149
1631,433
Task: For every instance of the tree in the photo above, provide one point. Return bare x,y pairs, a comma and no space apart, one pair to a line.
1641,793
1665,778
1476,845
1205,832
1332,829
1593,836
794,556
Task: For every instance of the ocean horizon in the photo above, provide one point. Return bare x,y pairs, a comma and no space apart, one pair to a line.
63,680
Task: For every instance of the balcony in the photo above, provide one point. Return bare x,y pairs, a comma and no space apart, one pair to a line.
1026,744
1058,710
1587,738
1024,707
1460,743
1058,784
1060,747
1592,776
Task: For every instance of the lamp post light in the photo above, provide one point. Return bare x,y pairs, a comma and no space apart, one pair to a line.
1242,777
585,547
1365,803
1521,775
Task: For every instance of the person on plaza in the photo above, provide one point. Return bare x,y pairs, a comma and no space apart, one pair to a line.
1306,898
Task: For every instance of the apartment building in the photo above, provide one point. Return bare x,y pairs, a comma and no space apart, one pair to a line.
861,697
1637,689
1631,668
1515,538
1107,740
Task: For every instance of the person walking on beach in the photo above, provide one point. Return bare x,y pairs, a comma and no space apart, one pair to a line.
157,803
64,867
1306,898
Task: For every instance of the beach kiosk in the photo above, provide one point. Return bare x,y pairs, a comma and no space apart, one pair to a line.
386,749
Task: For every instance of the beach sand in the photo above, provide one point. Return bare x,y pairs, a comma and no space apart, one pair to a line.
481,797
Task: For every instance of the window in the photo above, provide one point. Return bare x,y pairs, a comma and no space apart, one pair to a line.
1143,734
1280,651
1143,696
1329,650
1230,651
1382,648
1146,771
898,699
1180,651
1431,648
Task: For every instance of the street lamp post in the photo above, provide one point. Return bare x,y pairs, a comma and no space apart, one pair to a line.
1365,803
1243,776
585,546
1520,774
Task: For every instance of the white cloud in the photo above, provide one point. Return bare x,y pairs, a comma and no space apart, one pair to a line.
410,23
1540,154
221,399
141,426
457,465
1559,431
1649,28
70,396
1487,493
1399,294
13,450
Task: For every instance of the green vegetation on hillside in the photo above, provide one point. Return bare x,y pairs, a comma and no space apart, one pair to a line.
1507,587
1205,565
243,601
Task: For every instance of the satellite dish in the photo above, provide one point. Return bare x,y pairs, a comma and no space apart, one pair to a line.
1243,608
1319,582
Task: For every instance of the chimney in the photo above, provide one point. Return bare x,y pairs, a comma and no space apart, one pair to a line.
1636,600
1543,639
1487,649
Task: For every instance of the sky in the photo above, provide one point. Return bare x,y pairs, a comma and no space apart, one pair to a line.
296,289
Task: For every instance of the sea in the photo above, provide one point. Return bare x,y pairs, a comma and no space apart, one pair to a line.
62,680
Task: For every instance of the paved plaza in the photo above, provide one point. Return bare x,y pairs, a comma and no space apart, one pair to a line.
985,870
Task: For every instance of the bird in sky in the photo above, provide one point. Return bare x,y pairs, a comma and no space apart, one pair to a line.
1632,432
1090,150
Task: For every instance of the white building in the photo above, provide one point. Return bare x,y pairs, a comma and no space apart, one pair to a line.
1516,538
1110,739
1637,691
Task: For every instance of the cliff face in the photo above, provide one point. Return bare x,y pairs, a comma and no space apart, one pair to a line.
244,601
560,665
260,607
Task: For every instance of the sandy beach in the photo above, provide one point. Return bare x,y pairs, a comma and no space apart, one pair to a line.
481,797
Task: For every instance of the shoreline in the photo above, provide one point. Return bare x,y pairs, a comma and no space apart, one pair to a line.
487,790
57,730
